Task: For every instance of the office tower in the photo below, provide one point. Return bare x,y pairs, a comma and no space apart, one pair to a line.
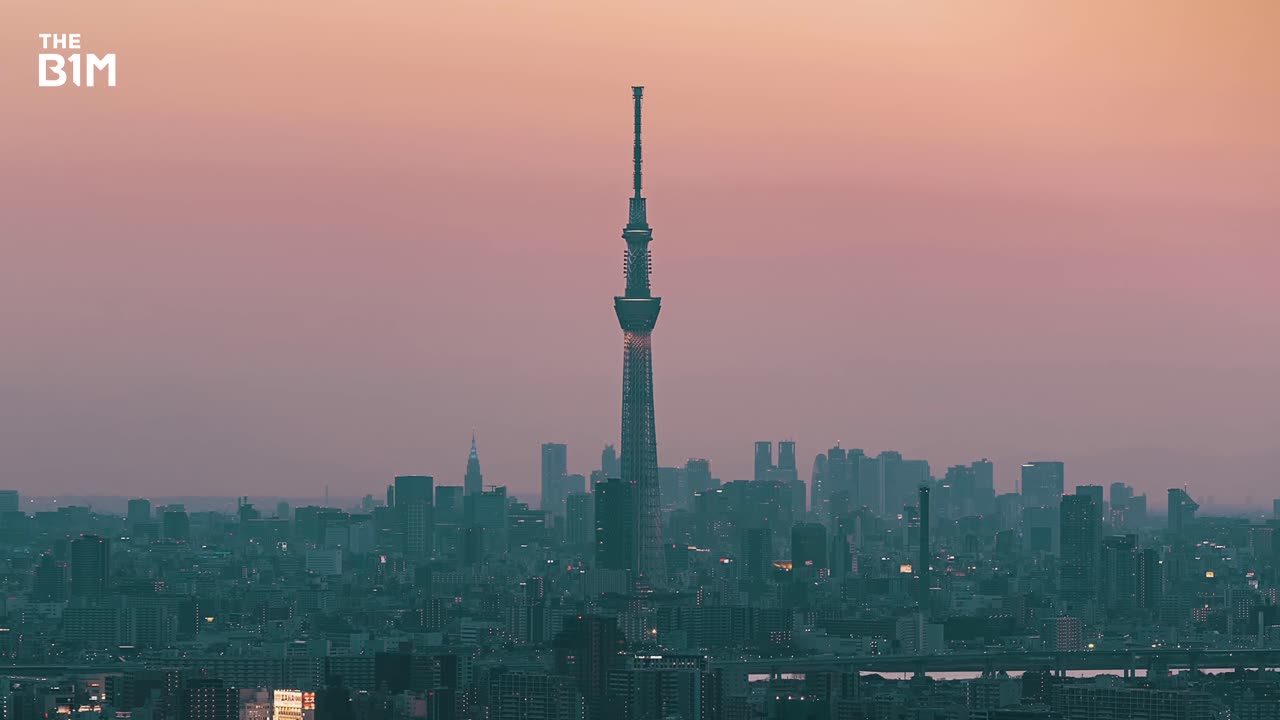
448,504
1150,579
808,546
391,496
555,464
1120,497
1080,525
841,560
1119,573
589,649
984,486
415,495
617,513
473,480
1136,515
139,511
697,475
870,483
908,476
414,488
837,479
580,520
176,524
1042,483
818,482
487,512
419,530
757,555
1275,509
90,566
50,583
609,464
637,312
1182,511
209,699
787,459
1096,493
926,555
764,459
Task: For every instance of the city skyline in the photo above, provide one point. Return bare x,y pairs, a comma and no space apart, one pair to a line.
1007,233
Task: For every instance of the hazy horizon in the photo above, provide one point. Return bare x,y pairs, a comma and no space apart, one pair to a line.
315,245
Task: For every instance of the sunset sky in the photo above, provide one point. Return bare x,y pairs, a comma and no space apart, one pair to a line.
315,243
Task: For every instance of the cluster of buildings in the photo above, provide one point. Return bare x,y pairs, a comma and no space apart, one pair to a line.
781,599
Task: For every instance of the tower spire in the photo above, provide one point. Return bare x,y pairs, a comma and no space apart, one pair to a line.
637,93
473,481
637,218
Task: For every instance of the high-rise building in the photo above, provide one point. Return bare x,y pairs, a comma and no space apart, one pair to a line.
1081,528
609,464
50,583
580,520
837,479
637,311
808,546
757,555
764,459
90,566
617,513
486,513
139,511
473,480
415,497
926,552
984,487
1119,571
449,504
1042,483
414,488
697,475
1150,579
176,523
818,482
555,465
787,458
10,501
589,649
1182,511
1096,493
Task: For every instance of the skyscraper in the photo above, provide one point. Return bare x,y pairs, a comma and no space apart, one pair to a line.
555,464
764,459
90,566
473,481
616,513
1182,511
139,511
1042,483
787,458
1081,529
637,312
609,464
925,554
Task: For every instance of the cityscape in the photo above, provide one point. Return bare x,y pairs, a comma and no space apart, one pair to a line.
873,586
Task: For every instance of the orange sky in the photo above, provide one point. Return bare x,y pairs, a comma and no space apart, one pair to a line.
309,243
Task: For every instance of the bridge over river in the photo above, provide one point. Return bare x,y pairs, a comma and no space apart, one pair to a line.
1125,662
